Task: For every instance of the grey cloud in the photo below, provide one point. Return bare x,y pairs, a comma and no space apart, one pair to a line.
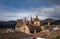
56,2
56,13
50,12
43,12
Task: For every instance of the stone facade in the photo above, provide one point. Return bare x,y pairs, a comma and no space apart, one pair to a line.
26,26
22,27
34,25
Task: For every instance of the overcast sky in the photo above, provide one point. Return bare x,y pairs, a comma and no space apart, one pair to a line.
18,9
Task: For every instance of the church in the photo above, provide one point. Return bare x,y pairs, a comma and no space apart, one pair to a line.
33,26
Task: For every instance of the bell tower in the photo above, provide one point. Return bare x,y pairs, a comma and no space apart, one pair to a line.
22,27
25,27
49,24
37,21
36,16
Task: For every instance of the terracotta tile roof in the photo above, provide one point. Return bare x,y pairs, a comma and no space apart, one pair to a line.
57,32
40,34
3,30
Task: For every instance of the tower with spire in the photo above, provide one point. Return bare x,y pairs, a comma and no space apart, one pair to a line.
49,24
37,21
36,16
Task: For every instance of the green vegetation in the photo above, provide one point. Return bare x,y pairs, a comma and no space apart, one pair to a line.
57,37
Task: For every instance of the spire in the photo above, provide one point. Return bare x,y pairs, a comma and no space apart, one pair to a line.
36,16
31,18
25,19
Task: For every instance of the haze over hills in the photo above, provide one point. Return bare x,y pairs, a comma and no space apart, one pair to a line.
12,24
52,21
7,24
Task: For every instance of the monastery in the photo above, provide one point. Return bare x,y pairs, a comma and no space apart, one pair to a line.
33,26
32,29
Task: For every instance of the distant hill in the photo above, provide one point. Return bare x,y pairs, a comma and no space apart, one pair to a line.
57,22
7,24
52,21
12,24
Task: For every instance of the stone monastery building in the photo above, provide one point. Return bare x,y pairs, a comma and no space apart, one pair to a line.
34,25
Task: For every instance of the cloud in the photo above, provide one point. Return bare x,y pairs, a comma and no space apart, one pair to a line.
43,12
56,13
14,9
7,9
50,12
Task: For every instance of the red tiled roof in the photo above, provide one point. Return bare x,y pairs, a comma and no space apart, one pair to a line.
57,32
40,34
3,30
